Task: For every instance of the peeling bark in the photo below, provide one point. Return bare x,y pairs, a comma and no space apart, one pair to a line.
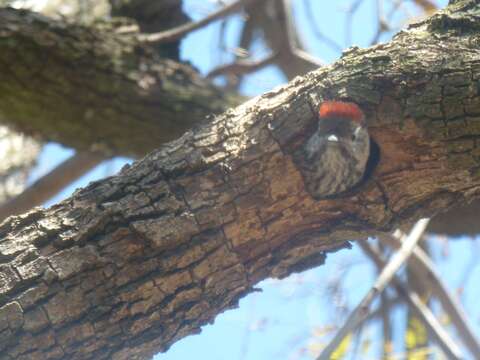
130,264
95,88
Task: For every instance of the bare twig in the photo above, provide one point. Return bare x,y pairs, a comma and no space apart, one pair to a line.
316,30
305,56
292,40
180,31
470,268
384,23
388,272
386,323
50,184
350,12
242,67
421,263
377,313
422,311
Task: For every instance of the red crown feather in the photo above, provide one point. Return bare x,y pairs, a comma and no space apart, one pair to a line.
340,109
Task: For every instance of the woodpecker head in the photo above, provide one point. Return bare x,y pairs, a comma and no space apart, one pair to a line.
335,156
342,125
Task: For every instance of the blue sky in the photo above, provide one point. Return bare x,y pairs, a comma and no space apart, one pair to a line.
289,319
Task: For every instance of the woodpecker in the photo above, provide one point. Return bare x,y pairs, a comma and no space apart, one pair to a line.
334,158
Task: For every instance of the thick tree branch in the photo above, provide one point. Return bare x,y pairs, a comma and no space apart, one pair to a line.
96,90
50,184
130,264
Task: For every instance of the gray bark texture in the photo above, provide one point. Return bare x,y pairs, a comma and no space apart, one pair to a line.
128,265
96,88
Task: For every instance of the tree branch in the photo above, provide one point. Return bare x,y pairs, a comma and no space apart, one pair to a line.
292,38
18,154
180,31
50,184
130,264
316,29
120,98
422,264
242,67
436,330
274,20
388,272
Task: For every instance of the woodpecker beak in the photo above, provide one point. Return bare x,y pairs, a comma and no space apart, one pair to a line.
332,138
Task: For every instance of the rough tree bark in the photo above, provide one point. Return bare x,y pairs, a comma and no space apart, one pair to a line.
130,264
96,88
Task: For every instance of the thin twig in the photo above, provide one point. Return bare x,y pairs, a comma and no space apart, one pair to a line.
384,23
386,321
292,40
316,30
180,31
51,183
350,12
388,272
305,56
242,67
377,313
421,263
436,330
